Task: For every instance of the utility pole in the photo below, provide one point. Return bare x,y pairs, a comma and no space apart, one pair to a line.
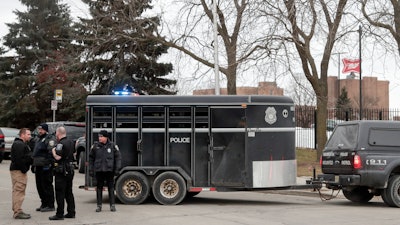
338,75
216,61
359,45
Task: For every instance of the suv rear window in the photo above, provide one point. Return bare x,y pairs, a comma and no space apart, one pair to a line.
384,137
344,137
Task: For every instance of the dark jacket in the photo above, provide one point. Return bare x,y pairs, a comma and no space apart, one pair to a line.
104,157
64,165
21,156
68,150
42,152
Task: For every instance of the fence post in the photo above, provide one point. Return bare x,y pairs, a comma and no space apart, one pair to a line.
315,128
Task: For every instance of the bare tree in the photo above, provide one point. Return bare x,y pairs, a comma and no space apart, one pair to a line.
191,31
301,91
384,15
310,25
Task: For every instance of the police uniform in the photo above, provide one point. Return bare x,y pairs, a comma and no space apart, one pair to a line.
64,175
104,163
42,167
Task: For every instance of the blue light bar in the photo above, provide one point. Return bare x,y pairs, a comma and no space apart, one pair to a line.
122,93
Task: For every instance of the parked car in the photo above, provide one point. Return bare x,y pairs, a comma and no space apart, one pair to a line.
7,137
1,148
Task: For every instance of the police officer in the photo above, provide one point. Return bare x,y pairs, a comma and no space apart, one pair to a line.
105,162
63,153
42,167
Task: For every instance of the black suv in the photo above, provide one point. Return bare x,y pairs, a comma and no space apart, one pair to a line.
75,130
363,159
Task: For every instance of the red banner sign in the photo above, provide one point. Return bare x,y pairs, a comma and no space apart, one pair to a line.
351,65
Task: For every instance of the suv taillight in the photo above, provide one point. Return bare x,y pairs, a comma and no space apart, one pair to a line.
357,163
320,161
2,136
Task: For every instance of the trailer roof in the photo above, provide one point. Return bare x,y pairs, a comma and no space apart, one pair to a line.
93,100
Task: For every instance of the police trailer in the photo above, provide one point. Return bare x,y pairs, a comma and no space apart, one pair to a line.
178,146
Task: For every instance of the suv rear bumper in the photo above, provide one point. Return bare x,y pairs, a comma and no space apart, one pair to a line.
340,180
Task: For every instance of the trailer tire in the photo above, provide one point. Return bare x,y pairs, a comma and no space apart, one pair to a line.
169,188
358,194
391,195
132,188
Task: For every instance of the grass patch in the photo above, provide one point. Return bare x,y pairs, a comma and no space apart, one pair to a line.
306,161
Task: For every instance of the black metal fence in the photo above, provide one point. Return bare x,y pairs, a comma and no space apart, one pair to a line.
306,121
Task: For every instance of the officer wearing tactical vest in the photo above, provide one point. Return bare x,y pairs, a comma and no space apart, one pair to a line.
104,163
42,167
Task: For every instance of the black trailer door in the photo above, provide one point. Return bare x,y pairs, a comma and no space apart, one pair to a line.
227,146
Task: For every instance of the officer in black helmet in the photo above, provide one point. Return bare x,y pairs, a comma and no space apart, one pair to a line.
42,167
104,163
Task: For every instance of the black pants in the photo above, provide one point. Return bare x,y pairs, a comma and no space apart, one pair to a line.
44,186
64,191
108,178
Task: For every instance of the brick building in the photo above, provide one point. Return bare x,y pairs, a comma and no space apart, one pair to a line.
264,88
375,93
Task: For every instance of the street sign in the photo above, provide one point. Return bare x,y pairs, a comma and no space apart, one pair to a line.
58,95
54,104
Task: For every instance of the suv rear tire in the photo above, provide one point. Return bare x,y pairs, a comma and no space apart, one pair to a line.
81,162
391,195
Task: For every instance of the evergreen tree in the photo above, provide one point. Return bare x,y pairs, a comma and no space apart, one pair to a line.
41,39
117,55
343,105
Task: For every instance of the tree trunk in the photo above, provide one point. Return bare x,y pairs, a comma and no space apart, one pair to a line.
322,112
231,84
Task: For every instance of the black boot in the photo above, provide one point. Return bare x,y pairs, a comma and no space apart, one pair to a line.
112,199
99,197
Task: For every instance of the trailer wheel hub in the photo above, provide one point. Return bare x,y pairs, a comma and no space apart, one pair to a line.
132,188
169,188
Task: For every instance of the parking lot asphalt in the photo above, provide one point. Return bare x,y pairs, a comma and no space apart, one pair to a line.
86,203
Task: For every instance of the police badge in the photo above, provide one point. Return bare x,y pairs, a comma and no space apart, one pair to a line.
270,115
52,143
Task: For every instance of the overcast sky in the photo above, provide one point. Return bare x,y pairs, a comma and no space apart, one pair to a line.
384,70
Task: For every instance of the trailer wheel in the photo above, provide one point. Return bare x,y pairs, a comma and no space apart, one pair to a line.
358,194
132,188
169,188
81,162
391,195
